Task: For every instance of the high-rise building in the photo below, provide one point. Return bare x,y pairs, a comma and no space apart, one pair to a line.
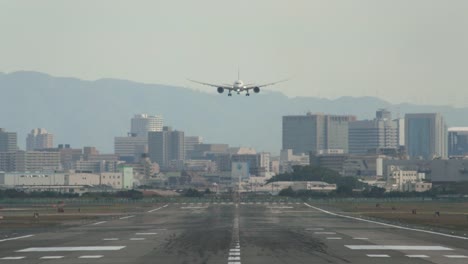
8,141
315,132
39,138
190,143
141,124
130,148
380,133
166,146
458,141
426,135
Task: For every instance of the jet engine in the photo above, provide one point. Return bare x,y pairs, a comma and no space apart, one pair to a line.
256,89
220,89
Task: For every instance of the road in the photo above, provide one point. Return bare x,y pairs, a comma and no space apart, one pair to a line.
235,233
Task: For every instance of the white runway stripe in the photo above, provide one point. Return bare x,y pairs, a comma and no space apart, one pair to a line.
12,258
378,256
456,256
52,257
234,253
56,249
98,223
334,238
159,208
15,238
234,249
137,238
325,233
360,238
385,224
234,258
126,217
397,247
145,234
90,256
417,256
110,239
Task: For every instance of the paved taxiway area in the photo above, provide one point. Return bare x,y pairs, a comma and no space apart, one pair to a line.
234,233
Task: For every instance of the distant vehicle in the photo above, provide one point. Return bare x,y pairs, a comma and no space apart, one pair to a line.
238,86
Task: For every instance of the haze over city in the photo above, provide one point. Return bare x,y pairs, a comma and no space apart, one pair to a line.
400,51
217,131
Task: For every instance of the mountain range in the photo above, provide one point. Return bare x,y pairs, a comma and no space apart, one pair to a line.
92,113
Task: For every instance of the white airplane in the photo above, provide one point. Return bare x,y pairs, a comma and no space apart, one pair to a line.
238,86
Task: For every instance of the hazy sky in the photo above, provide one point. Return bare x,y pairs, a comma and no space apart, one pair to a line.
398,50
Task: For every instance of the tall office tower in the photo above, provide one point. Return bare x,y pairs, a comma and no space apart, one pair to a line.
458,141
380,133
315,132
190,143
130,149
141,124
166,146
39,138
426,135
8,141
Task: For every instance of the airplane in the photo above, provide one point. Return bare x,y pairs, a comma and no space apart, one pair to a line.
238,86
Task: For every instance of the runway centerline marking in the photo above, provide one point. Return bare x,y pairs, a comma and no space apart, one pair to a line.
397,247
145,234
360,238
15,238
57,249
334,238
137,238
110,239
385,224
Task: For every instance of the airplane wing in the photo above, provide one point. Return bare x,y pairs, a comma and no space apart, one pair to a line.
224,86
263,85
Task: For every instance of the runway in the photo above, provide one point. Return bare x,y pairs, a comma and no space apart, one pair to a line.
235,233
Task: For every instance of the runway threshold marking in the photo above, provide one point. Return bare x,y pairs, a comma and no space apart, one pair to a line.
15,238
397,247
57,249
385,224
164,206
145,234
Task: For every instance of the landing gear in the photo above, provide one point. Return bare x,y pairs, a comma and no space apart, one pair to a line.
247,94
229,94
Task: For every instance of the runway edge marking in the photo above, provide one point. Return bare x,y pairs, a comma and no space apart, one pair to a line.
164,206
385,224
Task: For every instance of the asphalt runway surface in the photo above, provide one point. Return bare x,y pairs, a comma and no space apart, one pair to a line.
235,233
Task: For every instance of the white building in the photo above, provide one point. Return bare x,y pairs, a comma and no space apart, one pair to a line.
405,180
141,124
39,138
